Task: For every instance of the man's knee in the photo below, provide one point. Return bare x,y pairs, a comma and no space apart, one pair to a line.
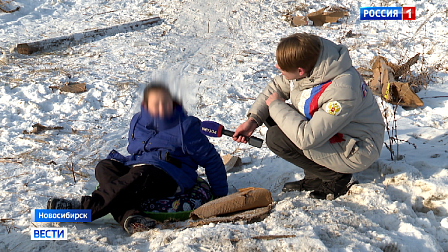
272,136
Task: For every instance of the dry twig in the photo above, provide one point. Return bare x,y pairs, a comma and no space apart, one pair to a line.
4,7
37,128
8,227
24,173
73,171
10,160
271,237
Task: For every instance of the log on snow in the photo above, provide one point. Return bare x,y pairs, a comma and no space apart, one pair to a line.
82,37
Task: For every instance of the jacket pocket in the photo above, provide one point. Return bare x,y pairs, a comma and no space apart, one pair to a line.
366,153
349,146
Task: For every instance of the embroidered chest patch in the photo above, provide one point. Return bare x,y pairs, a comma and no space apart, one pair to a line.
333,108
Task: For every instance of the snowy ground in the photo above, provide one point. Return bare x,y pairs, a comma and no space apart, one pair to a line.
220,54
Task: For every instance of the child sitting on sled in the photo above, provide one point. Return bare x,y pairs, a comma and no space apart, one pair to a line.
166,147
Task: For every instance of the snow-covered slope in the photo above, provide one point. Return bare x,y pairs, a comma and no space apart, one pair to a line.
217,55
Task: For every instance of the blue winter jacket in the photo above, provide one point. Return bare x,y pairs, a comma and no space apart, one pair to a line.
175,145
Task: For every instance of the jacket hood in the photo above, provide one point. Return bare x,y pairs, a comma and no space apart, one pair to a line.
157,123
333,60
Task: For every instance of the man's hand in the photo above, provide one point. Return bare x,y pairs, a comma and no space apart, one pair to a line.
245,130
274,96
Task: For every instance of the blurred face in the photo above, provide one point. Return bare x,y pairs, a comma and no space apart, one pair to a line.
160,104
298,74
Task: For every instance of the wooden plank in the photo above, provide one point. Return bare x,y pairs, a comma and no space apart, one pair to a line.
231,161
82,37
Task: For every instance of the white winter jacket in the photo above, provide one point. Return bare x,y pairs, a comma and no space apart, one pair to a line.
334,117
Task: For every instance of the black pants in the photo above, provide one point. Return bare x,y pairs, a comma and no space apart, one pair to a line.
122,189
281,145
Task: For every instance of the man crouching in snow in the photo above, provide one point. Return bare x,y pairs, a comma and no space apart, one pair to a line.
333,127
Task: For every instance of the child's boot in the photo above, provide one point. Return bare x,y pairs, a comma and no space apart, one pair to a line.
58,203
138,223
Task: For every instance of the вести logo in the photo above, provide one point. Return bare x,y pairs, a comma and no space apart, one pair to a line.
49,233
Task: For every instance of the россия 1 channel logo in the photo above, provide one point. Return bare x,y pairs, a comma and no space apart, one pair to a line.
387,13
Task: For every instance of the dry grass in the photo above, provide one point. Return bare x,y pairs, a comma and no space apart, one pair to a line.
3,3
418,74
423,75
125,85
8,224
72,173
15,176
418,79
338,8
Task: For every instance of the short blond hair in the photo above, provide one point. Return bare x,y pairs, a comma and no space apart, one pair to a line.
298,50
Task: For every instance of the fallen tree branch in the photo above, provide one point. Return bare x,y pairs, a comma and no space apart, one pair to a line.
37,128
10,160
37,140
81,37
5,8
406,66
